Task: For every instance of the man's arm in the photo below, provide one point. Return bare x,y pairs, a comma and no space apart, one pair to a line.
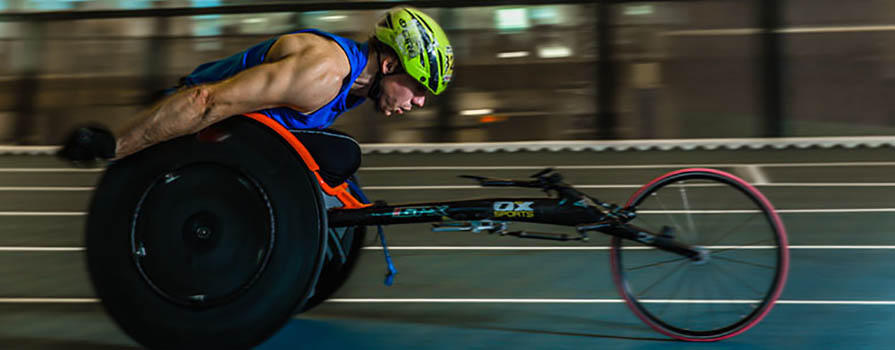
302,81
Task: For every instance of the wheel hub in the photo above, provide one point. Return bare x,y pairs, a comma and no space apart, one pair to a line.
202,235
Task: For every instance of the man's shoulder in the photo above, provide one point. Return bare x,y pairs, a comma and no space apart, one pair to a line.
311,49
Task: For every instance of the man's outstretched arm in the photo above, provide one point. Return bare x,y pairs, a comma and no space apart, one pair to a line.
305,80
195,108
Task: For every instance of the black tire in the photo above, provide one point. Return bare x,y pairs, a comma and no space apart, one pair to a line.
701,300
335,272
206,244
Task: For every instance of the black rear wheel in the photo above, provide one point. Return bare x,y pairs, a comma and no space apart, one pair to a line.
208,243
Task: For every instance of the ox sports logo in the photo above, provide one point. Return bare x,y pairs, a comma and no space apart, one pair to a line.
514,209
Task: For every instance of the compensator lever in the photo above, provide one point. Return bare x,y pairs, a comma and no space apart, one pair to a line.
489,226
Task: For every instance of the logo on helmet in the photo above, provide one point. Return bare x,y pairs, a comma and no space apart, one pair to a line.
449,64
409,39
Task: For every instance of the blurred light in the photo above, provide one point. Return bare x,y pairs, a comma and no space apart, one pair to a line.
52,4
554,51
207,25
483,111
491,119
254,20
545,15
513,54
638,10
333,18
511,19
131,4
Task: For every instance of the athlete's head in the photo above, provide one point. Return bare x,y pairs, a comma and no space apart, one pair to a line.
416,58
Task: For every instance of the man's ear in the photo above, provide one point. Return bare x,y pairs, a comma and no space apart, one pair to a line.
389,65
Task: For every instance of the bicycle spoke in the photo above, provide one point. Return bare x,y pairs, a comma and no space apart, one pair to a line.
741,224
744,283
741,246
642,293
717,284
723,286
656,264
686,203
665,208
673,295
687,312
745,262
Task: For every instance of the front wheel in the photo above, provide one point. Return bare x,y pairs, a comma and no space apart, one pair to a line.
744,247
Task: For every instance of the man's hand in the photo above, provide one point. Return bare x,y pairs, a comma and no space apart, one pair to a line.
87,143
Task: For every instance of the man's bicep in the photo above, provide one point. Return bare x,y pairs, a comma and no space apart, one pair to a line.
259,87
297,81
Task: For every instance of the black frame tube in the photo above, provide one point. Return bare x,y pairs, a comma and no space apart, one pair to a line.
537,210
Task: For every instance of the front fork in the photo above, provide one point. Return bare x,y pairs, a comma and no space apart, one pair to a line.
618,226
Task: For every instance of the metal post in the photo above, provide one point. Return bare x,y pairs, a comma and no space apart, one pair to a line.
156,64
31,60
771,62
442,130
606,79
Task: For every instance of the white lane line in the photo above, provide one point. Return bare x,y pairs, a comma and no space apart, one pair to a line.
51,170
629,186
42,249
499,301
591,248
598,301
517,167
507,248
620,166
790,30
43,213
779,211
758,183
44,189
48,300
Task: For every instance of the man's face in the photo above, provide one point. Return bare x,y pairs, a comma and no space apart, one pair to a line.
400,92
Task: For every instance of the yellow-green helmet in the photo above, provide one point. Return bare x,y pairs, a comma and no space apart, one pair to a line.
422,46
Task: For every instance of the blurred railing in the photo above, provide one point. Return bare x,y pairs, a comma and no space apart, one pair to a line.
526,69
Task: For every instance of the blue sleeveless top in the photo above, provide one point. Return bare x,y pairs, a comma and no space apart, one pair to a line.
288,117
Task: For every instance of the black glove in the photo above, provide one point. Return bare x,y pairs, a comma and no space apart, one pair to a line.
86,144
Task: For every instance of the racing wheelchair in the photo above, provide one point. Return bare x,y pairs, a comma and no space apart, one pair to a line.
214,240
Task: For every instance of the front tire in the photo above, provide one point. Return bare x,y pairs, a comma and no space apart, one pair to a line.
727,290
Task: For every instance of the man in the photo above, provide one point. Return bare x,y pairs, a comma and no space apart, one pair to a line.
303,80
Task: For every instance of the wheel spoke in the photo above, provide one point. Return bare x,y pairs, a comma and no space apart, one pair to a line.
686,203
664,278
667,212
729,232
745,262
741,246
675,294
723,286
657,264
747,273
734,276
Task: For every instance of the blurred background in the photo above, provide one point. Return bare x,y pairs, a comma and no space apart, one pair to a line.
526,70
